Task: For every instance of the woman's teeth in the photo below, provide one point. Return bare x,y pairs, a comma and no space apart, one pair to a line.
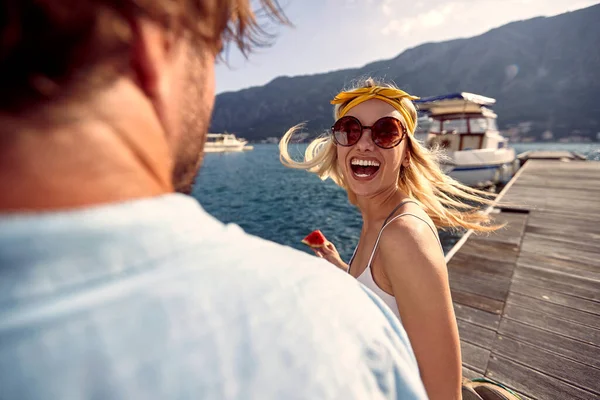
365,163
364,168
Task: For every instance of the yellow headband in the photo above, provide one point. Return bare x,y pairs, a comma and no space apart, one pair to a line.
390,95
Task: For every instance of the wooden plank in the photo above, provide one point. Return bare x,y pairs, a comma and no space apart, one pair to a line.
558,287
509,234
578,243
565,230
538,178
555,198
558,233
559,183
533,181
558,264
504,252
577,285
569,220
474,357
552,168
554,324
488,285
476,301
558,204
590,206
528,287
564,346
573,215
533,383
476,335
476,317
563,256
564,175
541,199
514,202
541,196
470,374
560,189
551,364
473,264
567,313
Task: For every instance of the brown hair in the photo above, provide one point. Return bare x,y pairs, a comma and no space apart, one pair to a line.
49,48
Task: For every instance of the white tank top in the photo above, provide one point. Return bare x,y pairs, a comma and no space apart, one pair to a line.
366,278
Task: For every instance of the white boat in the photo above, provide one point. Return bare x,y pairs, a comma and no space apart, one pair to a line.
223,142
422,131
464,125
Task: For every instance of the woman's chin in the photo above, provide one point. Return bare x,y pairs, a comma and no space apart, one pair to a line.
364,188
371,187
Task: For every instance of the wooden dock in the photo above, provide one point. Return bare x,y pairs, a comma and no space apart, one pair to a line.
527,298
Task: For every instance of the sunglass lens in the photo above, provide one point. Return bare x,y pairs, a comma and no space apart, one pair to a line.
347,131
387,132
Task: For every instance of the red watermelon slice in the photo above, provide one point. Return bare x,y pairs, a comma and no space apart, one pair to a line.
315,239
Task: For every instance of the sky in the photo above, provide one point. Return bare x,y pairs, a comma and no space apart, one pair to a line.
335,34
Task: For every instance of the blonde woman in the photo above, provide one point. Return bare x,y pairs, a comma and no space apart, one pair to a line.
402,195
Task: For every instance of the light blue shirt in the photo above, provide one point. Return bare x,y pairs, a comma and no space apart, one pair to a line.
156,299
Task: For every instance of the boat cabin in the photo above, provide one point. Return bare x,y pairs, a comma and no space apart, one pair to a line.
461,122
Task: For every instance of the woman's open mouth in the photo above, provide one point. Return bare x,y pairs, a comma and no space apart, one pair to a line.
364,169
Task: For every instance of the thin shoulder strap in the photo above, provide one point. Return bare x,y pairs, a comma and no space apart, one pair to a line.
396,209
383,226
392,220
352,258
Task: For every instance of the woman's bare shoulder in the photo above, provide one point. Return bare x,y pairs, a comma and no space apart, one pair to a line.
411,241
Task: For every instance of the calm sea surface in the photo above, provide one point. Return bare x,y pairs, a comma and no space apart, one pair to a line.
253,190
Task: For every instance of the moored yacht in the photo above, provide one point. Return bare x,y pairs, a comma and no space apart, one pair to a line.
223,142
464,125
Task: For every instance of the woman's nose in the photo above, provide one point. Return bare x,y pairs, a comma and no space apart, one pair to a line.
365,143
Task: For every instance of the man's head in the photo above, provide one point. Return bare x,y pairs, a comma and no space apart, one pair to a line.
65,52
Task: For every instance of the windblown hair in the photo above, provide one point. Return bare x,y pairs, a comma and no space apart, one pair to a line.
448,203
52,48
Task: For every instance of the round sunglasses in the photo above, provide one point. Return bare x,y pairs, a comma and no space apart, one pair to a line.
386,132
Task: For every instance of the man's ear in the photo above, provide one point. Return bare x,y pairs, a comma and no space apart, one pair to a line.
155,53
150,50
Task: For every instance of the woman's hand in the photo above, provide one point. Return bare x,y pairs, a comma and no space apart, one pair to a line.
330,253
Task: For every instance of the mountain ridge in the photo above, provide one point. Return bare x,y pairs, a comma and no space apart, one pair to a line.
542,71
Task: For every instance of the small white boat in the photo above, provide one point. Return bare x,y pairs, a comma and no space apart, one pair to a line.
464,125
223,142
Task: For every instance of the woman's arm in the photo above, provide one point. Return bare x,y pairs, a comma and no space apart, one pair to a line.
414,264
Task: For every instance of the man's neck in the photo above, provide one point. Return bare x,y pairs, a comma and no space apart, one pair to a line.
86,159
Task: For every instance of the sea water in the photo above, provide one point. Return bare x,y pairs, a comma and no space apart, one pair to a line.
254,190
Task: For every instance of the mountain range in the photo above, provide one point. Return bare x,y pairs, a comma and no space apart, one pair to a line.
544,73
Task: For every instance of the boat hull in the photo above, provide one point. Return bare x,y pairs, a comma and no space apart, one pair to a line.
481,168
224,148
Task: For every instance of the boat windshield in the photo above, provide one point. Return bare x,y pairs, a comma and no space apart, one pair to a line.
455,125
435,126
478,125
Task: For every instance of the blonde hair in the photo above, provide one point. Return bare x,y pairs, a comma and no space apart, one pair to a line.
444,199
